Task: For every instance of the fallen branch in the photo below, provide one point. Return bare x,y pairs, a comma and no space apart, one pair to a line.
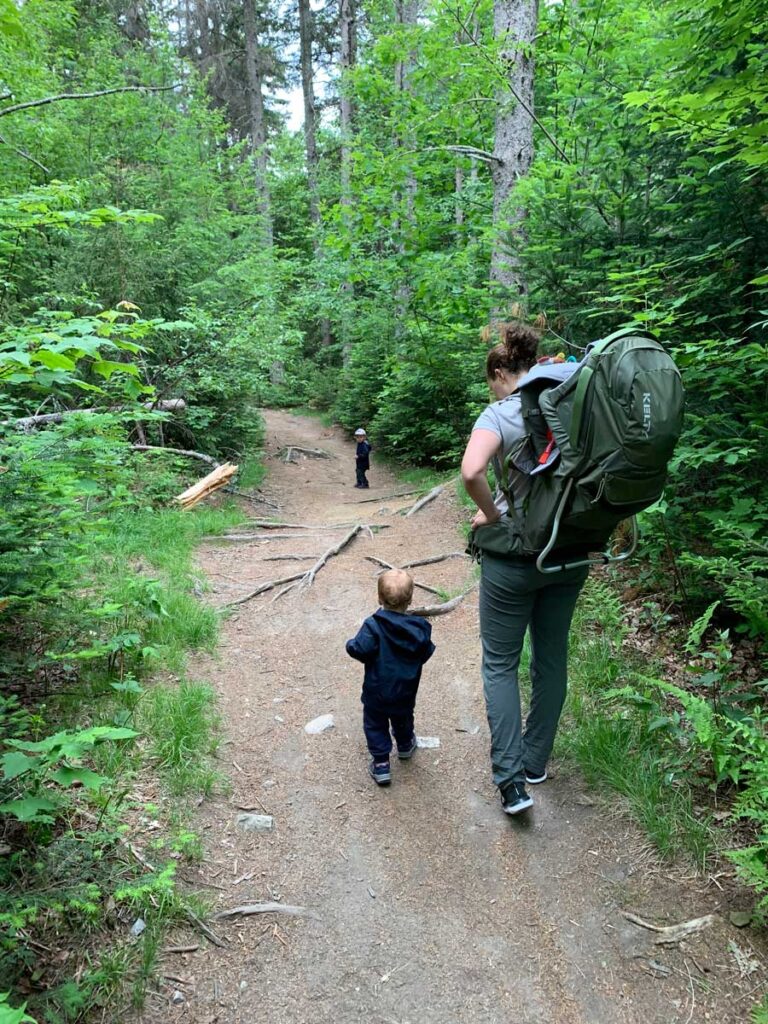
181,949
252,497
204,488
26,423
672,933
204,929
200,456
287,558
385,565
428,611
425,500
433,559
268,524
262,908
309,576
262,589
385,497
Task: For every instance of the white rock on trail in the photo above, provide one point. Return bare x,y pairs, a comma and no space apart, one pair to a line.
428,742
319,724
255,822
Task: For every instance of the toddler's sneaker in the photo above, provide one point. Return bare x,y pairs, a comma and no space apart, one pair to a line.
514,798
379,772
406,753
535,778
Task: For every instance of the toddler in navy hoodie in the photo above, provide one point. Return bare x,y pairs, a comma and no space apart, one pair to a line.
392,646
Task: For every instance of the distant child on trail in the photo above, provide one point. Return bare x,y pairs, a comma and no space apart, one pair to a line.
362,460
393,646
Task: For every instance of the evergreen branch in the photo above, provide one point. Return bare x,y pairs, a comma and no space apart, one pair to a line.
84,96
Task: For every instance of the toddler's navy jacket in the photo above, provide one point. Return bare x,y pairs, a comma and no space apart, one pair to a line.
393,646
362,454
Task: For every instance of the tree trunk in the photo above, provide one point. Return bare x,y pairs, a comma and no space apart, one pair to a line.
258,127
406,13
348,31
307,76
348,55
514,24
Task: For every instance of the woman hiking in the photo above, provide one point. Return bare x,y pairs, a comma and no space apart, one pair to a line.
514,595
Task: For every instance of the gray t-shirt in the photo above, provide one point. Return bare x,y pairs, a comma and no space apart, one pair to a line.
505,419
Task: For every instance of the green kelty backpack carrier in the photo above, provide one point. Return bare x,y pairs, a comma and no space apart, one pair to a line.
600,436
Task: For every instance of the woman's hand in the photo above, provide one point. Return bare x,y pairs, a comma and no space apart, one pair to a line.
481,519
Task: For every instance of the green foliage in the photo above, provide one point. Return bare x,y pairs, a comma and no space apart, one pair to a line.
182,723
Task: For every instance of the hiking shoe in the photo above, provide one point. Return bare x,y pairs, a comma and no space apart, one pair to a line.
379,772
535,778
406,753
514,798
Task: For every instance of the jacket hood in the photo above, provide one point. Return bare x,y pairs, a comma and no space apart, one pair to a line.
405,632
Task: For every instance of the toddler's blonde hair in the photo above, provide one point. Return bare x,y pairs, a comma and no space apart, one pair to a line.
395,589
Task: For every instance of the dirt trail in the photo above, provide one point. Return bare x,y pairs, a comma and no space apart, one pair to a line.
425,903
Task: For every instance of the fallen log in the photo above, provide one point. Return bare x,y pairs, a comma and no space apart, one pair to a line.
252,497
220,477
200,456
287,558
26,423
433,559
425,500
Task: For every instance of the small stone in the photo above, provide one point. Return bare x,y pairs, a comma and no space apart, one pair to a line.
740,918
428,742
177,998
279,718
319,724
137,927
255,822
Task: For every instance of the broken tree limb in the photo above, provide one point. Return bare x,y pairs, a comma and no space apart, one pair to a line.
26,423
220,477
433,559
200,456
261,908
428,611
425,500
668,934
204,929
386,565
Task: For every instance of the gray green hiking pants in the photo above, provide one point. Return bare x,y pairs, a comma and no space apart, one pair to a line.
515,596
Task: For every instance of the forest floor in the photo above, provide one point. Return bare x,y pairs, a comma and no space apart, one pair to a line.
424,903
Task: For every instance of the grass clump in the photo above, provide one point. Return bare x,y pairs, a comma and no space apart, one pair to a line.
182,723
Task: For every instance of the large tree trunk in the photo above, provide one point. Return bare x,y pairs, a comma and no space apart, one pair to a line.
307,86
348,31
348,55
514,24
258,127
406,13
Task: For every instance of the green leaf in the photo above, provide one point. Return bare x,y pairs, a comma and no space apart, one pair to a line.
69,776
106,367
31,808
15,763
53,360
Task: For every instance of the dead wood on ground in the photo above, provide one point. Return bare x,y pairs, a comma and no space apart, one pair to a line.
200,456
287,453
428,611
425,500
384,497
262,908
434,559
668,934
204,488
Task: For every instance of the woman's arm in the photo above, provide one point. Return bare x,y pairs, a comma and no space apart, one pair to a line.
482,446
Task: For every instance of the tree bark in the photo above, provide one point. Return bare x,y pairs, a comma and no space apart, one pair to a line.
406,13
307,87
514,24
258,127
348,55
